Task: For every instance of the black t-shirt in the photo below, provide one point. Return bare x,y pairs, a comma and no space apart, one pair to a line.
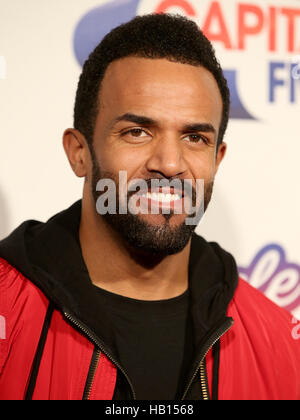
149,339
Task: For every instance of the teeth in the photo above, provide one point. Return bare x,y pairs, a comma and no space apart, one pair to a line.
165,198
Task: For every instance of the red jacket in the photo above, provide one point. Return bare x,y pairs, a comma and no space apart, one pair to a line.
258,358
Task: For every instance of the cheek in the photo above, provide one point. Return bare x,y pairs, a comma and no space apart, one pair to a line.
203,168
114,160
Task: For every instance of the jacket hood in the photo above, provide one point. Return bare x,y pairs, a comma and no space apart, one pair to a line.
49,255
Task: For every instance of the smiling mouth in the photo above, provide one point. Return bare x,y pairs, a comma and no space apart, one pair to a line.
162,196
160,199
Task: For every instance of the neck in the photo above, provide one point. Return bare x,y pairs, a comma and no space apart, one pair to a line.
118,268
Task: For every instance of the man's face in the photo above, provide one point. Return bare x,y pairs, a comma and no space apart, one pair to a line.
157,120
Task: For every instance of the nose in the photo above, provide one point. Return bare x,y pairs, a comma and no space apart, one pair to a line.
167,157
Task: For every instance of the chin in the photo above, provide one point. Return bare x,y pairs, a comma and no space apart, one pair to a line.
152,234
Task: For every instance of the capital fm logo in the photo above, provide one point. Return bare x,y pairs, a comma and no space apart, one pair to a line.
257,43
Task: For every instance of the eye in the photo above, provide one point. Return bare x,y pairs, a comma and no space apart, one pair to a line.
196,138
135,132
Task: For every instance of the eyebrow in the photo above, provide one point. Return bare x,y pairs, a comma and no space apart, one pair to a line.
142,120
203,127
137,119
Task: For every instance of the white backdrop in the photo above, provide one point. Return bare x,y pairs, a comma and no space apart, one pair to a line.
256,206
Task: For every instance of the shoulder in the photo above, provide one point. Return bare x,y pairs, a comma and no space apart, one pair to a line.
262,337
15,287
251,303
16,290
22,305
266,321
259,351
8,274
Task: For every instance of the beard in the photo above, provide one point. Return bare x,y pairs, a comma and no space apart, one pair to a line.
157,240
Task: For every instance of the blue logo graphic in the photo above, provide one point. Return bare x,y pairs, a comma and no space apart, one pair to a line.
275,276
237,109
99,21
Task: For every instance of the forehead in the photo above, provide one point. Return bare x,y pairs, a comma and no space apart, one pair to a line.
161,89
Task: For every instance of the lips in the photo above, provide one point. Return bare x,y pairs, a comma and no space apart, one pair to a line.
162,197
155,196
155,200
165,193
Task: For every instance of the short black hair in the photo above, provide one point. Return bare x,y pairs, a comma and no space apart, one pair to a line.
154,36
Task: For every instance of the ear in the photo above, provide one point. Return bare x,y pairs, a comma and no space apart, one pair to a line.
76,150
220,155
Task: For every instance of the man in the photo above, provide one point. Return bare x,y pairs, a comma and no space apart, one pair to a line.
116,297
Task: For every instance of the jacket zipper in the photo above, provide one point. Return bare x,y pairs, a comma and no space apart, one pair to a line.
95,340
91,374
201,365
203,381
